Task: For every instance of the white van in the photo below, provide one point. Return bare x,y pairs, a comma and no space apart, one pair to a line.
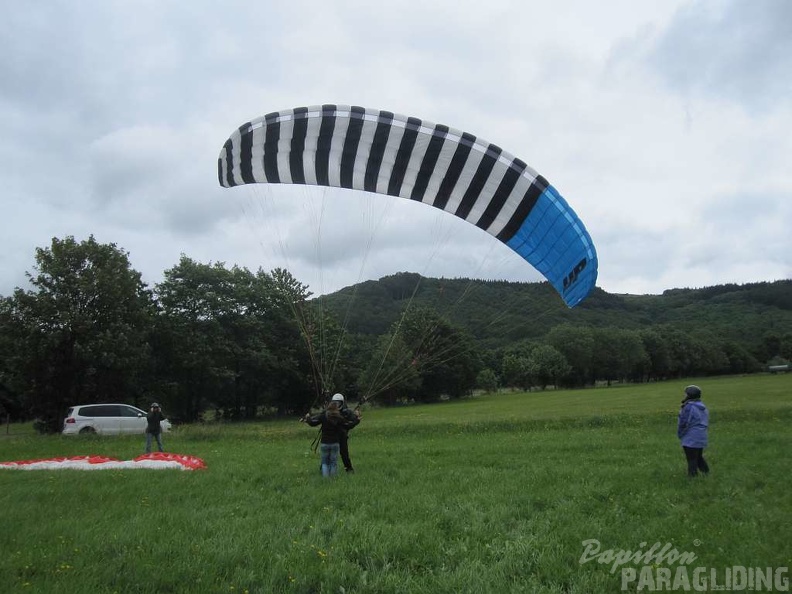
107,419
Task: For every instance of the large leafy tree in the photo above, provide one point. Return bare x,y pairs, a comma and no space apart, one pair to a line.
446,356
335,355
487,381
618,354
516,370
515,365
312,346
82,330
12,357
576,344
740,359
229,340
547,365
658,358
391,373
426,351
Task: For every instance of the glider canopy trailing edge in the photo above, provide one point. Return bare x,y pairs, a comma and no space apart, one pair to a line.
386,153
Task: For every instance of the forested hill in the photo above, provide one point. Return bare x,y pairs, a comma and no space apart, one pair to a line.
499,313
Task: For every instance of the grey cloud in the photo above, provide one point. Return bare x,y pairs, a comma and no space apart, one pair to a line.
732,49
113,113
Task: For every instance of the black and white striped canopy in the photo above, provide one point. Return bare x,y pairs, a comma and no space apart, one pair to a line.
386,153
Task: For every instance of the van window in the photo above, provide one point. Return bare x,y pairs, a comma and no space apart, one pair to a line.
100,410
128,411
87,411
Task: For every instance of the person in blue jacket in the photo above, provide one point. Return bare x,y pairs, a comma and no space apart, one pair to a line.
692,430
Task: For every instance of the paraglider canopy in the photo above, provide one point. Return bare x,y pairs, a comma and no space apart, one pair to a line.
386,153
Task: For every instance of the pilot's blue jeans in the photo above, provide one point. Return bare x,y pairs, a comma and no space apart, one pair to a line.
158,437
329,452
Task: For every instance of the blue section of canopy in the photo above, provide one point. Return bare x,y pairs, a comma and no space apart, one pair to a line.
553,239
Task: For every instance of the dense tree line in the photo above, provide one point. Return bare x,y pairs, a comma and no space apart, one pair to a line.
236,344
574,356
207,339
528,338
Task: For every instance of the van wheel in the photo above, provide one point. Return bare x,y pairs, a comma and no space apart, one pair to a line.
87,430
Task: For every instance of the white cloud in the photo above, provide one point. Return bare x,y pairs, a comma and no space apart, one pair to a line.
663,123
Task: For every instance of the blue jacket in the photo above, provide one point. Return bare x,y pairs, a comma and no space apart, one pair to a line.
693,424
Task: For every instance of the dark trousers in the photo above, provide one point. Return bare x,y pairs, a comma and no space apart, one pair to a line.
695,460
344,443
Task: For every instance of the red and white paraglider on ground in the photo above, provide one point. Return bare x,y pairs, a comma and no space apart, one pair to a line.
157,460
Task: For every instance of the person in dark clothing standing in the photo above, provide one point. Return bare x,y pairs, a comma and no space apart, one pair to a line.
153,428
692,430
333,426
352,418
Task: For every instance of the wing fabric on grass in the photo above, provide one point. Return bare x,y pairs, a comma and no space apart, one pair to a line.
156,460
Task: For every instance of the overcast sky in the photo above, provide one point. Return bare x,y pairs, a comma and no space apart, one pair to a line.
666,124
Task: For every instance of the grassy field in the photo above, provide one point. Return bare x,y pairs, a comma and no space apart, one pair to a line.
489,494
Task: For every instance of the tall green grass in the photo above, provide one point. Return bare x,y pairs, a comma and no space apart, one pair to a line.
491,494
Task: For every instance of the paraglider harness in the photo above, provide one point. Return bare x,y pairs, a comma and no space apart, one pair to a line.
316,441
318,438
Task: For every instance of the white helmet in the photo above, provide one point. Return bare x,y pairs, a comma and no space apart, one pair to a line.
337,398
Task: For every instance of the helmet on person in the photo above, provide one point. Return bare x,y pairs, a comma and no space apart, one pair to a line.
155,405
693,392
337,398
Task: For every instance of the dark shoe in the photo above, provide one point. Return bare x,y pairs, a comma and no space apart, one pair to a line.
350,469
